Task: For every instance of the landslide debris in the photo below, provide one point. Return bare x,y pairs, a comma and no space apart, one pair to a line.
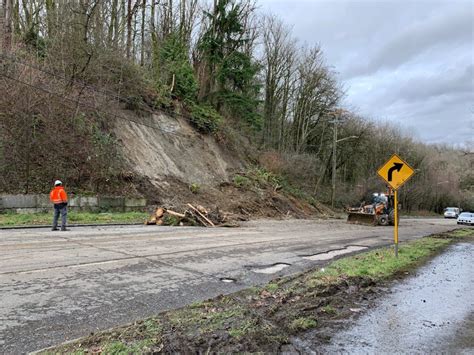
251,194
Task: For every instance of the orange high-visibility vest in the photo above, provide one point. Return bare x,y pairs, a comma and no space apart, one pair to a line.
58,195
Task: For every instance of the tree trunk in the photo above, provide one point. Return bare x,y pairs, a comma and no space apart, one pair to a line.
16,18
7,25
50,17
152,16
142,49
112,34
129,28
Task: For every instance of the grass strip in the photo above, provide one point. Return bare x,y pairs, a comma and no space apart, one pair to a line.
28,219
265,318
381,263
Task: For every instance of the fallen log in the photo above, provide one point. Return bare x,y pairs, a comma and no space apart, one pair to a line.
202,210
159,212
176,214
200,214
151,221
195,218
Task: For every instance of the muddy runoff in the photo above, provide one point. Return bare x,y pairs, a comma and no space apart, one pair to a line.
430,312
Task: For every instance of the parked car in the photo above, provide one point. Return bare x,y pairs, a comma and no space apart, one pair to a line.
466,218
451,212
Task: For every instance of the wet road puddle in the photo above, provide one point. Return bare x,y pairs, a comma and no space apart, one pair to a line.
271,269
333,253
227,280
430,312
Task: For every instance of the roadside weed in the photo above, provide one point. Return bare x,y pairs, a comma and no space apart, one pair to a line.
303,323
329,309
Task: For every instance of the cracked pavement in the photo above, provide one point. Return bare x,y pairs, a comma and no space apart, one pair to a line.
58,286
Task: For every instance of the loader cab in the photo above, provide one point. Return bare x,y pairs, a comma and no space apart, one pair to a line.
379,198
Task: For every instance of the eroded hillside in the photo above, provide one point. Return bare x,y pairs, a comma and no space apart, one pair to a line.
160,147
173,164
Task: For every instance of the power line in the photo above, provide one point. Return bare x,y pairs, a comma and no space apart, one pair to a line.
86,105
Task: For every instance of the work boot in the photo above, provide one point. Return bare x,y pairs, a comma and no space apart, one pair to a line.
54,229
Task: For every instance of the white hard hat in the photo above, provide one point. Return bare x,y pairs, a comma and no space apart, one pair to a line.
58,182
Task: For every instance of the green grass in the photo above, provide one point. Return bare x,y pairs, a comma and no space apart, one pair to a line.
207,316
462,233
194,188
241,181
381,263
329,309
119,348
271,287
246,327
303,323
20,219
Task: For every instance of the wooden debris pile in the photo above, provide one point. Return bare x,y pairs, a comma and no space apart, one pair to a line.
192,216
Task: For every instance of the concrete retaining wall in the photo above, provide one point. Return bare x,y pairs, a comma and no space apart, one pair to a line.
40,203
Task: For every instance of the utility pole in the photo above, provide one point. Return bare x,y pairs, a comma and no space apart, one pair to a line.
334,143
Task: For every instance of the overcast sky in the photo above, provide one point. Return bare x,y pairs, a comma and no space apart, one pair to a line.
409,62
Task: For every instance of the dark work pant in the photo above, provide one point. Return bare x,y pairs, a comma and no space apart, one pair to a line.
60,209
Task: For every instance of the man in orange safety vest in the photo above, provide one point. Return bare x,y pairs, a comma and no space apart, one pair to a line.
58,197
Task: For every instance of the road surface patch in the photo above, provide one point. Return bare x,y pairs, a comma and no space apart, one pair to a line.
271,269
333,253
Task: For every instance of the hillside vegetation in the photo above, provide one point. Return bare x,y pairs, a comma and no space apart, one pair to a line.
90,89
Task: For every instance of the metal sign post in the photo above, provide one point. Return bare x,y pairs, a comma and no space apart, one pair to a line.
395,172
395,229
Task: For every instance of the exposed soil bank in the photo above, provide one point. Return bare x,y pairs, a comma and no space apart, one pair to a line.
294,314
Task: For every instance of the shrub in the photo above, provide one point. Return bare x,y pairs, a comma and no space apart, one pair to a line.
169,220
272,161
204,117
241,181
194,188
264,177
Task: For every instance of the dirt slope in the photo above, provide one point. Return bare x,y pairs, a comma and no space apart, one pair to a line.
166,155
163,147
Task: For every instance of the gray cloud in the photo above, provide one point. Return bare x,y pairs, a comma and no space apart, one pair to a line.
406,62
449,29
447,83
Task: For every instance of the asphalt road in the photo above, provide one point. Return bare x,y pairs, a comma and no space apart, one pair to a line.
57,286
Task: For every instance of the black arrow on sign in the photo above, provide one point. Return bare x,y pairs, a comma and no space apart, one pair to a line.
397,167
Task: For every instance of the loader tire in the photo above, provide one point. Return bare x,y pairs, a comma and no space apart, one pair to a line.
383,220
391,217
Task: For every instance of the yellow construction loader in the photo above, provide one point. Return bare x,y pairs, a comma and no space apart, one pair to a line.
380,212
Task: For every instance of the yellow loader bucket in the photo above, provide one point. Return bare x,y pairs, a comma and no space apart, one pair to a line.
362,218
